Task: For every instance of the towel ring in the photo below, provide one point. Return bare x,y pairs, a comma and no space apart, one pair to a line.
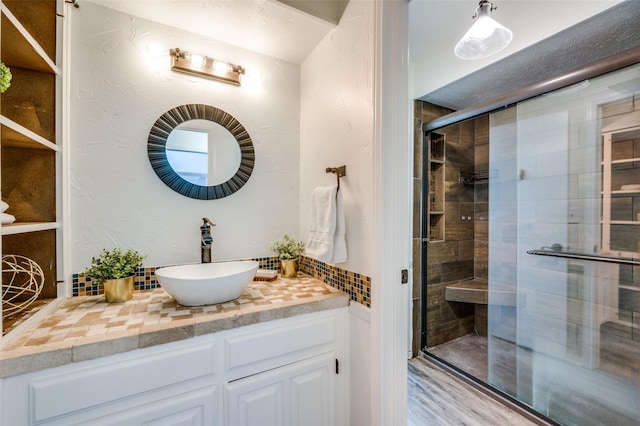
338,171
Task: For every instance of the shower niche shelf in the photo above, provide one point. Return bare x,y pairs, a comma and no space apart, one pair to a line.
436,165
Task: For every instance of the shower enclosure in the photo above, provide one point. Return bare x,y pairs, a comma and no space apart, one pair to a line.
531,250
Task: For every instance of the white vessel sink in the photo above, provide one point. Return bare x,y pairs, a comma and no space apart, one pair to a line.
207,283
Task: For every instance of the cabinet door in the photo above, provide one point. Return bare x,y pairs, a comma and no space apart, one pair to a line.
194,408
311,394
84,391
297,394
256,401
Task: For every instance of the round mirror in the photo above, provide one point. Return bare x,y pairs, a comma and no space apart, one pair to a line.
201,151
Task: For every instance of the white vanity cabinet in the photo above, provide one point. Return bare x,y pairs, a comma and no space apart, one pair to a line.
280,372
296,394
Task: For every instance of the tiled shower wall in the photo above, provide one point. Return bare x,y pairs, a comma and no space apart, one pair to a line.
463,254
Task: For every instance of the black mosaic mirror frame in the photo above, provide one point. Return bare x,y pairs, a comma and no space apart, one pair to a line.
156,148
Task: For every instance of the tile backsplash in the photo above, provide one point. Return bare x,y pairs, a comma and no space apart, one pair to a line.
356,285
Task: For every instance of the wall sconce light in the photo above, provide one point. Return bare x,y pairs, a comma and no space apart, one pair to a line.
485,37
203,66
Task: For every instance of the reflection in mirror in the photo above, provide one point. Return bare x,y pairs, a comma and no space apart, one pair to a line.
212,157
203,152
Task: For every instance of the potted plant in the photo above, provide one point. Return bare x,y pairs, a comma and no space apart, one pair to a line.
288,250
116,269
5,77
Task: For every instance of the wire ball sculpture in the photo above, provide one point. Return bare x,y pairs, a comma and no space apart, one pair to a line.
22,282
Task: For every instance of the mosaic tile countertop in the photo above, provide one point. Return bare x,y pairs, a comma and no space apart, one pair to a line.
87,327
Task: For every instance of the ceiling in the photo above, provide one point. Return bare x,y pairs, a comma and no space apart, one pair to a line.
290,29
550,63
435,26
267,26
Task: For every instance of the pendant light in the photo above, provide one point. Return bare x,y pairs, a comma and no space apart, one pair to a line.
485,37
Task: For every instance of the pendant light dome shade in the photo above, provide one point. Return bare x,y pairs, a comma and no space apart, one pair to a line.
485,37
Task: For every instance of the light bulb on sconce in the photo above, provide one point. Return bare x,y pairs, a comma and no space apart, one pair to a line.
220,67
485,37
196,60
203,66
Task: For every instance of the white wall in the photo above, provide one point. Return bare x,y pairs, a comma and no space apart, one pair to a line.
117,93
336,127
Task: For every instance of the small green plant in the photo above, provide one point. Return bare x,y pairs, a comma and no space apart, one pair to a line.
114,264
5,77
287,248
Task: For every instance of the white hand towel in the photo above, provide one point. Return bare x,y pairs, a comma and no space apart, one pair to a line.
7,219
322,223
3,206
339,243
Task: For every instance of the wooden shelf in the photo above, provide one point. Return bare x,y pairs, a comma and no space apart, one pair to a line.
18,136
25,227
436,147
436,187
628,287
625,192
38,245
19,48
29,183
626,160
30,102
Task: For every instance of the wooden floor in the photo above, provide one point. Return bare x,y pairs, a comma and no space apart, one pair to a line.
435,397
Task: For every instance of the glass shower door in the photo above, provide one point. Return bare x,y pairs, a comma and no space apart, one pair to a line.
564,234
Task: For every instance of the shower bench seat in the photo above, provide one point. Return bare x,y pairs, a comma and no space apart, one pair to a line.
477,291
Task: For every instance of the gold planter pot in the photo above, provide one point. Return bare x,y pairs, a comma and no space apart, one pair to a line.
119,290
289,268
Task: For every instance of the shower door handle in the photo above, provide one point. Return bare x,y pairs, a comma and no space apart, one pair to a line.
592,257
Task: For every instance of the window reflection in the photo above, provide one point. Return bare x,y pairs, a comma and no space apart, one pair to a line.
188,153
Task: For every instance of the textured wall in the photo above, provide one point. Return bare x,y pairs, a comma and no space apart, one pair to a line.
337,127
117,94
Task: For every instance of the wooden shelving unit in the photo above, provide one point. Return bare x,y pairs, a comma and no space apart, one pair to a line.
621,200
620,205
29,129
436,157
